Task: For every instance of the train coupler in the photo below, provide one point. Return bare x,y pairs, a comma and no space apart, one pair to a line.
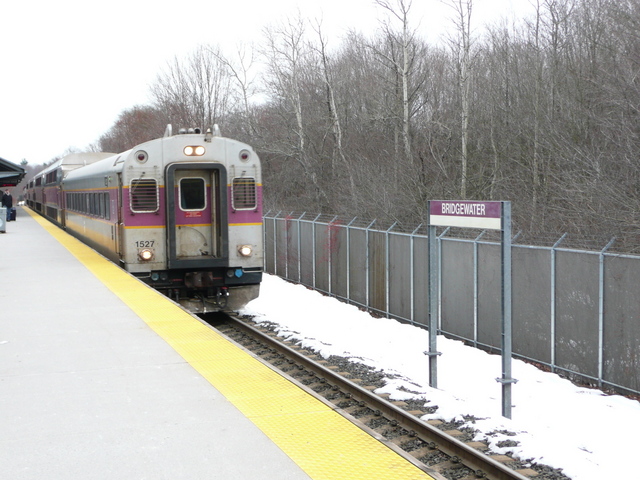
222,296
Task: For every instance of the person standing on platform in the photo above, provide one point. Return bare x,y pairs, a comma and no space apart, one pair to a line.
7,202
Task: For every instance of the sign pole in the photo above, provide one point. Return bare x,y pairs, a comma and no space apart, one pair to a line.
433,304
505,256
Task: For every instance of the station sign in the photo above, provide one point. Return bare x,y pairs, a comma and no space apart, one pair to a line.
466,214
485,216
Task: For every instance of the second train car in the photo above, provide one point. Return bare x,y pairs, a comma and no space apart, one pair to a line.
183,213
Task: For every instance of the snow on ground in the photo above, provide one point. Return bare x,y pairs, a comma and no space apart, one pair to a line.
556,423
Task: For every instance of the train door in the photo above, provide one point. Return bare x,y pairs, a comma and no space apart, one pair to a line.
119,225
62,200
196,215
62,207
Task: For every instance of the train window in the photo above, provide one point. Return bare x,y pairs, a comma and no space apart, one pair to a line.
52,177
244,195
193,194
143,195
105,206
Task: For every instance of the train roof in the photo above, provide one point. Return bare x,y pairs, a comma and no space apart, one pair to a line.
87,158
75,160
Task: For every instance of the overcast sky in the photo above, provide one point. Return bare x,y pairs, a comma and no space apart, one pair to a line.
69,67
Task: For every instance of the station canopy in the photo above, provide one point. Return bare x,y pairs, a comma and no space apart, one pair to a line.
10,173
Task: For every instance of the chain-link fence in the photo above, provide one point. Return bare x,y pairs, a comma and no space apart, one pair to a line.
574,312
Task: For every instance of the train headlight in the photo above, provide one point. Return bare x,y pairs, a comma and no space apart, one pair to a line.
194,150
245,250
146,254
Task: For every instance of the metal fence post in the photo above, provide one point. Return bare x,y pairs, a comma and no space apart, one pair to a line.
275,244
553,302
264,240
287,240
349,259
601,312
439,253
475,288
299,247
412,274
330,255
387,267
367,266
313,243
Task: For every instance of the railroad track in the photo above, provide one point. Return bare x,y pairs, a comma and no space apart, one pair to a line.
441,453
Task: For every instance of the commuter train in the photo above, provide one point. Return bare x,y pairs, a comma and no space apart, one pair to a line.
183,213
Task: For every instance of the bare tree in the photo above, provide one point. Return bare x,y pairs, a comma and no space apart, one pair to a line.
462,49
134,126
289,67
242,70
195,92
401,11
334,119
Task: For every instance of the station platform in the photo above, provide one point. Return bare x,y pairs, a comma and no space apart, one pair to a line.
102,377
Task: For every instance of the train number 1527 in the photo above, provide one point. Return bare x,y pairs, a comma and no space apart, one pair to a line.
145,243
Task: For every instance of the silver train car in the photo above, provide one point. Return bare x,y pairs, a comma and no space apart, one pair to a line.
183,213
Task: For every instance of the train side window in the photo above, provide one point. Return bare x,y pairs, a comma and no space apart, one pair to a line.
244,196
107,207
193,194
143,195
100,205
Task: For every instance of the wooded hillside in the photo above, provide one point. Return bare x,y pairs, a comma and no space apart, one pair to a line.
544,113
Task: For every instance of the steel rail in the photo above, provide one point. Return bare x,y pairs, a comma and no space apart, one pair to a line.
473,459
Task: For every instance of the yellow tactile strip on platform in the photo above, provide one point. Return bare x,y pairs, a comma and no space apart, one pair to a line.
323,443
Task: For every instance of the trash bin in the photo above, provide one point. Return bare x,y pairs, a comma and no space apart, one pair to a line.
3,220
